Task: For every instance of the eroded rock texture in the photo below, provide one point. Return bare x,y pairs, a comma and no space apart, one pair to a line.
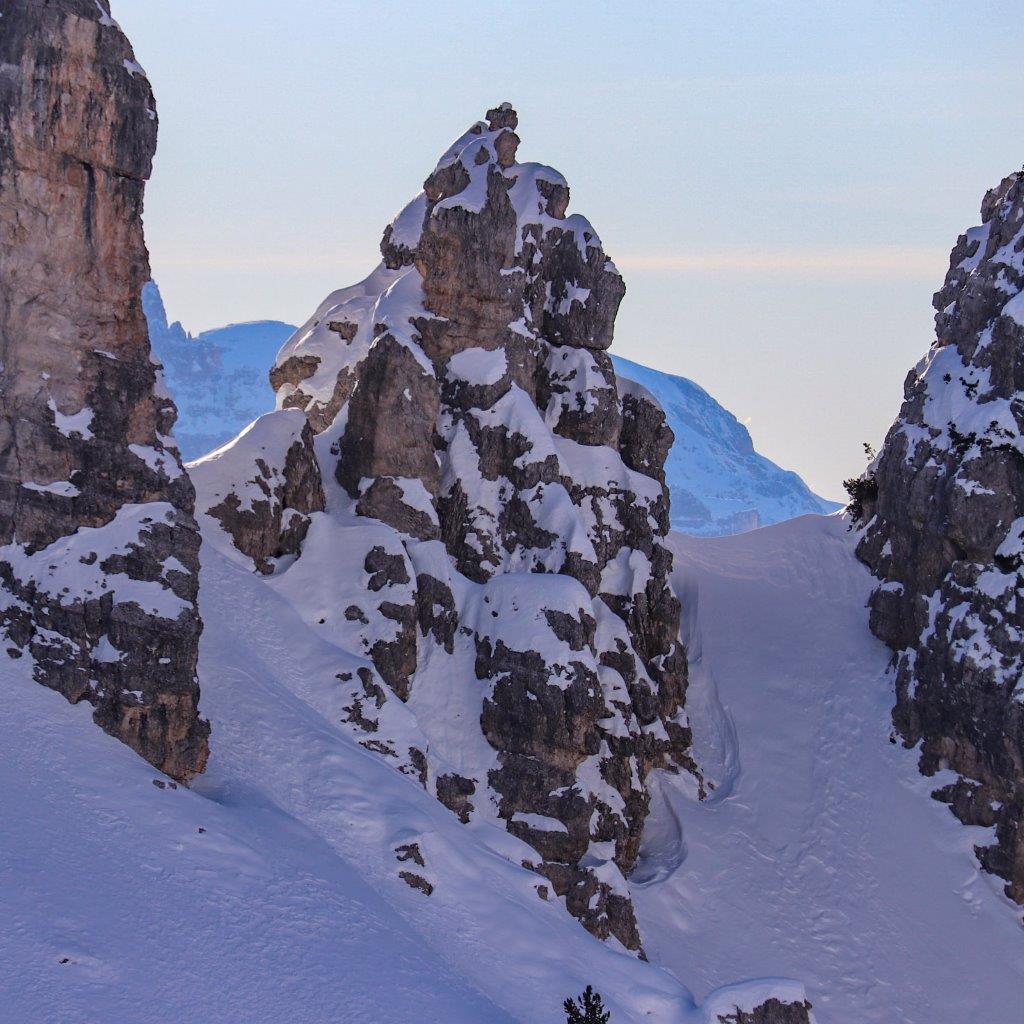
943,514
99,556
496,509
774,1011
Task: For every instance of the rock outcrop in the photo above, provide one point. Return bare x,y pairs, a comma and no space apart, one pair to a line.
774,1011
99,556
942,512
266,510
495,515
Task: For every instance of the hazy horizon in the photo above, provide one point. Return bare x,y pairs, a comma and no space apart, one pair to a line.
780,186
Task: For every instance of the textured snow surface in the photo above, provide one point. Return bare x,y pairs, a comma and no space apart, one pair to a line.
392,297
71,569
719,483
270,892
820,854
263,439
478,366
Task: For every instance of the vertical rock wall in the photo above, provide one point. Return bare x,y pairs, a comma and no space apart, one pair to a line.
942,511
98,544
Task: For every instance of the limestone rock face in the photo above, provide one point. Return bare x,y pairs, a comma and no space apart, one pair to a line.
942,510
99,555
493,540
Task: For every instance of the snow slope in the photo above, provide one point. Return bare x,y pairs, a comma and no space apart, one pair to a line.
820,854
270,892
719,483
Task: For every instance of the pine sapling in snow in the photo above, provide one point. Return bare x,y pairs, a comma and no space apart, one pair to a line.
588,1009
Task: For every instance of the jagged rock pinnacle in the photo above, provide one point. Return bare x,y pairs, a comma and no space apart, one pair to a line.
503,501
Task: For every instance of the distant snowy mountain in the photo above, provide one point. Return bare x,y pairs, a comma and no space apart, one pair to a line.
218,378
719,484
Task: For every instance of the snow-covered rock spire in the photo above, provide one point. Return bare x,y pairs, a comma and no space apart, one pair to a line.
942,509
493,541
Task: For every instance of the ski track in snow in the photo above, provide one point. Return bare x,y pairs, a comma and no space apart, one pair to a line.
822,856
119,910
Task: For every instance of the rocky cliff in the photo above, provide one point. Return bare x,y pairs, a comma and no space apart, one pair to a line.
495,512
99,557
942,513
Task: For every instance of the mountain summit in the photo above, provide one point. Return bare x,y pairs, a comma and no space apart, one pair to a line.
718,483
218,378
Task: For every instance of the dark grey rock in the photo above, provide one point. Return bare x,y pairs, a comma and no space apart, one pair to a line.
774,1011
941,513
477,413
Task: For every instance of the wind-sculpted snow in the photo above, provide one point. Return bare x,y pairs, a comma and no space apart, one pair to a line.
719,484
266,509
941,510
98,544
275,888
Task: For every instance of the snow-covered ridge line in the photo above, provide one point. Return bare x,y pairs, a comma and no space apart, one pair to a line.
718,482
218,378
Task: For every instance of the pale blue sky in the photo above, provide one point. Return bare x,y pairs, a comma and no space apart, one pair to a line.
779,182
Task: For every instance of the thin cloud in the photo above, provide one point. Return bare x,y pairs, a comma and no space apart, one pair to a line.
801,261
268,260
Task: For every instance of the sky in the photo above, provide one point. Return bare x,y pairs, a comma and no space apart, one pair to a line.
779,182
